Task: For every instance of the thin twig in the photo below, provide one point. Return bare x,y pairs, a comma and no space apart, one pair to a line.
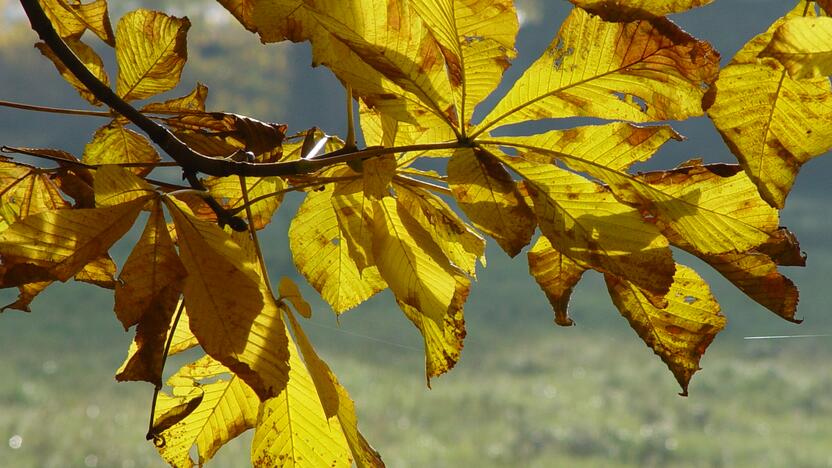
150,433
55,110
74,162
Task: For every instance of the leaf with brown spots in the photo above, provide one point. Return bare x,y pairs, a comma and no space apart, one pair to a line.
682,331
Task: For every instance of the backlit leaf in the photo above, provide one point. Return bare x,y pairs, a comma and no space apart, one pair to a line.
228,407
427,287
193,102
640,71
100,272
458,241
585,222
320,252
616,10
229,193
557,275
680,333
88,57
292,428
151,51
488,195
335,400
115,185
476,38
289,290
65,240
148,290
772,122
71,18
804,46
116,144
25,191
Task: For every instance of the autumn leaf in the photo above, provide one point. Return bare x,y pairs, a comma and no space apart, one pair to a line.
229,193
804,46
88,57
115,185
335,400
116,144
639,71
100,272
292,428
289,290
227,407
617,10
429,289
243,329
772,122
585,222
192,102
150,51
680,333
71,18
487,193
557,275
24,191
320,252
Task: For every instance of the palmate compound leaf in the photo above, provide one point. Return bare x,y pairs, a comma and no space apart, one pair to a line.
617,10
335,400
679,333
320,252
151,52
639,71
147,293
115,144
429,289
488,195
231,311
584,221
225,408
88,57
804,46
71,18
772,122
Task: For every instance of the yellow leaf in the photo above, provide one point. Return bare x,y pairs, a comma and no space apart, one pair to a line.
147,293
116,144
381,48
25,191
151,51
27,294
64,241
680,333
457,240
193,102
88,57
289,290
476,38
228,192
381,129
557,275
486,193
230,310
427,287
114,185
804,46
640,71
335,401
585,222
228,407
239,132
616,146
292,428
616,10
320,252
353,204
784,122
100,272
716,208
71,18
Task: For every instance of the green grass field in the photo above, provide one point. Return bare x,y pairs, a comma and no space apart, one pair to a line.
526,393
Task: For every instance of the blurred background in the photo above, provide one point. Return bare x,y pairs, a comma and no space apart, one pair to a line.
526,393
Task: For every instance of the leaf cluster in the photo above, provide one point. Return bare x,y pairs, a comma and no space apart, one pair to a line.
374,218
